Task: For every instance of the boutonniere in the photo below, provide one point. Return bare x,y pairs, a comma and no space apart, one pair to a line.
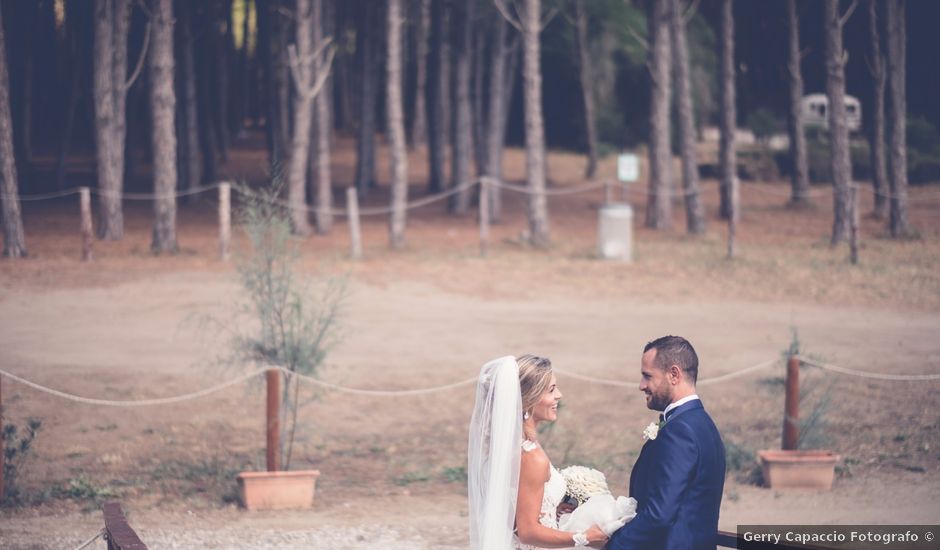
652,430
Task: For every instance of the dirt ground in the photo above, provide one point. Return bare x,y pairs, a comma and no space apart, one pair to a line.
133,326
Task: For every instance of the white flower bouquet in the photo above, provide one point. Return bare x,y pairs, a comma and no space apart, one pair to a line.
596,505
583,483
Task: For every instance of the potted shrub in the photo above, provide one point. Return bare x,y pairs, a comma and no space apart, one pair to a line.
292,320
792,466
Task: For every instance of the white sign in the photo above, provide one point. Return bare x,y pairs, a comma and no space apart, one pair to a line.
628,167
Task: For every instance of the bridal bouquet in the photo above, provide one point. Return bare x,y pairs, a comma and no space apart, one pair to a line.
596,505
583,483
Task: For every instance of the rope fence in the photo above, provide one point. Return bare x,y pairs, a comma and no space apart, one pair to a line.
434,389
352,211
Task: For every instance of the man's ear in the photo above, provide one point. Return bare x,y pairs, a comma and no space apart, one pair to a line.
675,374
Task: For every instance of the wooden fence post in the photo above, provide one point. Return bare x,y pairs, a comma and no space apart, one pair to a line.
86,228
791,413
352,212
225,219
484,214
273,429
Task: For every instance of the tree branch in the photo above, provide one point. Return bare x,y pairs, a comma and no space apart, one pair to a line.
548,18
140,60
848,13
514,21
690,12
322,74
636,36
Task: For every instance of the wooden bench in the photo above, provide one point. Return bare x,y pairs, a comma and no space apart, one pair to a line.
119,534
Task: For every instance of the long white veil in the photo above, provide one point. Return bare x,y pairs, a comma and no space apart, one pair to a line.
494,454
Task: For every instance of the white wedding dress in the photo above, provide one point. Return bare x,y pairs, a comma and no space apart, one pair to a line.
551,497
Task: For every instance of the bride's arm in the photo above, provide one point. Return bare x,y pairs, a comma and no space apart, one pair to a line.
534,472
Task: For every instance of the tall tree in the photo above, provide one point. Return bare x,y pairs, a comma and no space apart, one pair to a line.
189,140
205,57
368,92
876,65
838,123
694,211
587,85
799,174
162,109
531,26
460,172
396,126
112,19
495,125
479,117
438,88
727,155
419,126
897,58
320,178
309,77
14,240
659,204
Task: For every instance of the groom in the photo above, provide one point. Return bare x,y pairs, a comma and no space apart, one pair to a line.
679,476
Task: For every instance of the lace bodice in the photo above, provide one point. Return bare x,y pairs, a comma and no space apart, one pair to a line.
551,497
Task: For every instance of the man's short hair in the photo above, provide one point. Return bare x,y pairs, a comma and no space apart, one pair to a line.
675,350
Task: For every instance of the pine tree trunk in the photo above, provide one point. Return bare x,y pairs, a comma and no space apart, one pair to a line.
659,205
365,158
75,79
799,176
14,240
320,150
419,127
437,88
208,143
838,127
223,66
879,176
728,163
495,126
534,127
587,86
460,173
479,117
303,112
109,226
396,127
193,164
694,214
162,108
122,20
897,57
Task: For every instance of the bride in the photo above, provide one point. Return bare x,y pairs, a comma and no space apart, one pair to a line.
514,490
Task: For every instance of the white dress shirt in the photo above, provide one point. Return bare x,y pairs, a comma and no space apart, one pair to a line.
675,404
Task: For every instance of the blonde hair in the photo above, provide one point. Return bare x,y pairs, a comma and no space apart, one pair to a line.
535,375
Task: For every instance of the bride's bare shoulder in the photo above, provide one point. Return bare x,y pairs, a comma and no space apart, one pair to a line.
535,463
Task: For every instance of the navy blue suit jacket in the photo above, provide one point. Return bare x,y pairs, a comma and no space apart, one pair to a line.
677,482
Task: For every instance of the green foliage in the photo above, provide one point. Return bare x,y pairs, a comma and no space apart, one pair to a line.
741,462
923,151
295,317
16,452
763,123
455,474
83,489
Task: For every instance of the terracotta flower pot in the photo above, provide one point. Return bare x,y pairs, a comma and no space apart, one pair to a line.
798,469
277,490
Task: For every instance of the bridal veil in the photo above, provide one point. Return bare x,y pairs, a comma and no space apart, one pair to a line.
494,455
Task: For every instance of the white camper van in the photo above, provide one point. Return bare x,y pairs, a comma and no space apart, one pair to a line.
815,111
